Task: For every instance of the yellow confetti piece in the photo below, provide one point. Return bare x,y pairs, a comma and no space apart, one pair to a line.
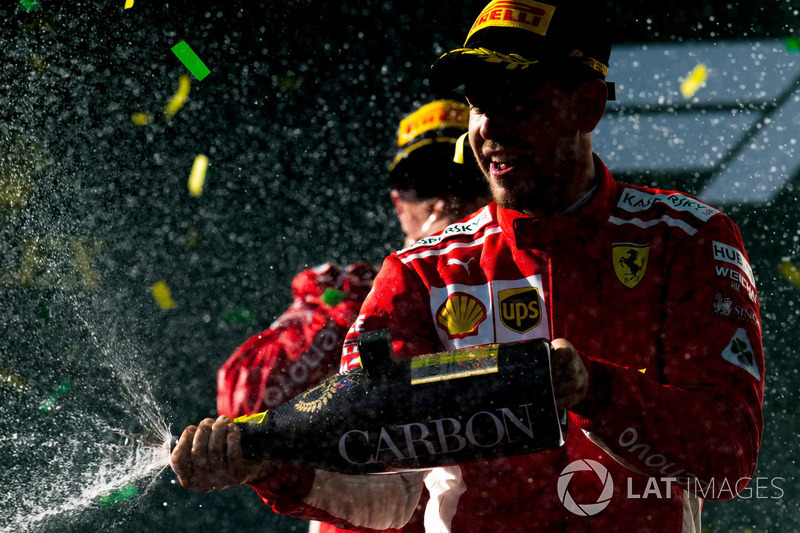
128,4
162,295
140,119
198,175
458,156
694,81
180,97
791,272
643,370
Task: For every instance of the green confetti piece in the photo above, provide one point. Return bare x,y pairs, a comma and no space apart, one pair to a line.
49,402
29,5
793,44
332,296
190,60
241,315
118,496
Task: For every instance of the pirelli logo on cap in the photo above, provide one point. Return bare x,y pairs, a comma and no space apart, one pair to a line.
524,14
435,115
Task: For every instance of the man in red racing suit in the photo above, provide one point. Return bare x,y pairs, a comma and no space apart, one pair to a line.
654,290
646,295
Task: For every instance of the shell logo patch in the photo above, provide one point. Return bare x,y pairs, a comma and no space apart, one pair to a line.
524,14
520,309
460,315
630,262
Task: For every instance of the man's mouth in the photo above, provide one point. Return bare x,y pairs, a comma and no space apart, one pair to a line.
500,167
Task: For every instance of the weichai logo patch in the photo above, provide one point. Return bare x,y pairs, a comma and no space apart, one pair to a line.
520,309
523,14
460,315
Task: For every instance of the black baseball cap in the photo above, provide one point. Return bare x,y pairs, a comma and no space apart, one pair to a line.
525,38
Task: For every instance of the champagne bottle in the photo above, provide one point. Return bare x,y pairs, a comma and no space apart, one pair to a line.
439,409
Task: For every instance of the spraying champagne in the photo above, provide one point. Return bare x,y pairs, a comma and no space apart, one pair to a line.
433,410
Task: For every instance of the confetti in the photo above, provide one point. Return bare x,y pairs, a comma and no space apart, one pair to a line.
118,496
162,295
29,5
190,60
793,44
791,272
198,175
694,81
240,315
49,402
11,380
458,156
174,105
128,4
332,296
141,119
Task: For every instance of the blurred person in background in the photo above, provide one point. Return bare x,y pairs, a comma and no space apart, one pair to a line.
433,184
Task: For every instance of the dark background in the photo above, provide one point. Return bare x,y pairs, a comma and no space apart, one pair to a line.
298,119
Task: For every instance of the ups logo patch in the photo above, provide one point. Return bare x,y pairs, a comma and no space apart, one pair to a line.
520,309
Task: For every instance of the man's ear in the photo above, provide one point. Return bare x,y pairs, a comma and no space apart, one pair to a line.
592,98
398,204
438,207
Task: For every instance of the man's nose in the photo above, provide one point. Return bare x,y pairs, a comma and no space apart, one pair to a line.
492,125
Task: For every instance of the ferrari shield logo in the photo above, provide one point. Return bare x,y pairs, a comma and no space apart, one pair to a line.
630,262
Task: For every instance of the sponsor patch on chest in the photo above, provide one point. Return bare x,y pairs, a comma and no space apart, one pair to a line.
494,312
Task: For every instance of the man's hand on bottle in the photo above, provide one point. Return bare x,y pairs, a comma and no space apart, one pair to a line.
209,457
570,377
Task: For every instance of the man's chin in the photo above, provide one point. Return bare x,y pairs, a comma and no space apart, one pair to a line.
504,197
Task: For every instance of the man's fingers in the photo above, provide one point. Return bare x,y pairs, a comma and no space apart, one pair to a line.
234,445
570,378
216,442
181,458
200,445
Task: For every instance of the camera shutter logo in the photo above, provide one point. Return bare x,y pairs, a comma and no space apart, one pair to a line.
585,509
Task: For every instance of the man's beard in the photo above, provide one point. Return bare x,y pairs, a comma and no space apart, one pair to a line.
535,192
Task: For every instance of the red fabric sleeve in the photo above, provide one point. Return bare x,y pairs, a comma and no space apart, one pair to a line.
398,303
702,417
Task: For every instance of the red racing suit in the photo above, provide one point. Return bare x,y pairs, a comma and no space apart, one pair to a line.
301,348
655,291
